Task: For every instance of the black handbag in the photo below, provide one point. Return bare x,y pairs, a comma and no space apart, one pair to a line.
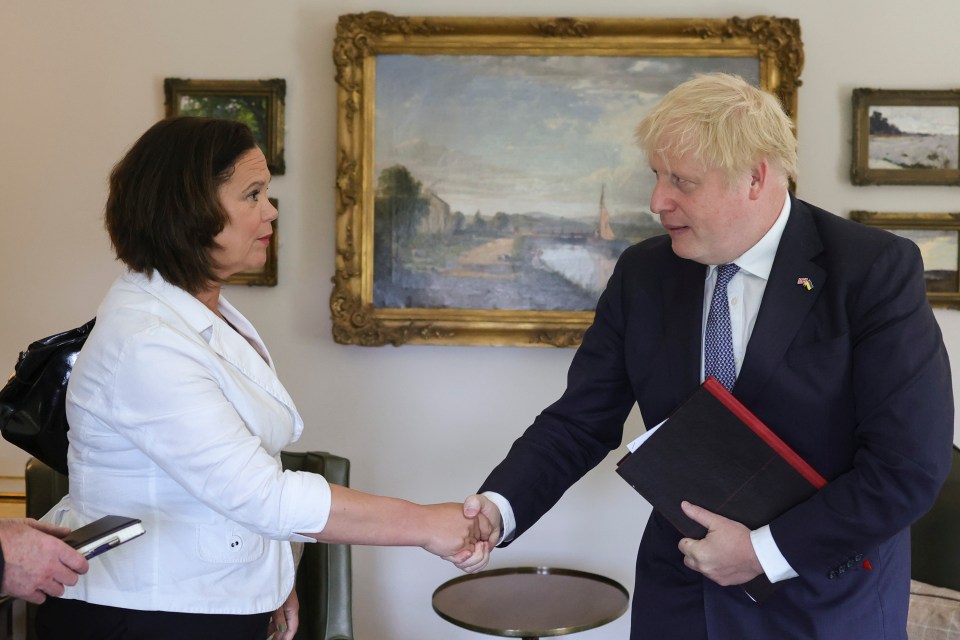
32,404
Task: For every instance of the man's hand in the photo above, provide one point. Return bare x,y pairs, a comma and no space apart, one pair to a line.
36,562
725,554
457,537
478,505
490,522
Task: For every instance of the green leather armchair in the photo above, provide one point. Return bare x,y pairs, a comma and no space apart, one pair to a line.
935,537
324,575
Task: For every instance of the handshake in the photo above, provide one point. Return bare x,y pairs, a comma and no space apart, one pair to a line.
464,533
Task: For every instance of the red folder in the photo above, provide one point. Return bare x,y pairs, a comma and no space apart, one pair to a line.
714,453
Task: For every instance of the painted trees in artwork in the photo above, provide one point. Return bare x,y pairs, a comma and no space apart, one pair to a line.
399,207
880,126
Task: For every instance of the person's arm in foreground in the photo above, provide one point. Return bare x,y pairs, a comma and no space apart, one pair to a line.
36,563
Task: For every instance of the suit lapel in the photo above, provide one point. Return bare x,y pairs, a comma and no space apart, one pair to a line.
683,317
785,303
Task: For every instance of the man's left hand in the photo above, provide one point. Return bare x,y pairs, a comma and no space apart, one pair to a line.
725,554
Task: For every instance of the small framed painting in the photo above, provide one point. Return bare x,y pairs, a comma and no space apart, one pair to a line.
906,137
938,236
256,103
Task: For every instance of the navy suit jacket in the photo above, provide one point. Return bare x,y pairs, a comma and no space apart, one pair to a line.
852,374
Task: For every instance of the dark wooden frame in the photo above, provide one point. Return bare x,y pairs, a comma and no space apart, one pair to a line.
860,171
947,222
272,90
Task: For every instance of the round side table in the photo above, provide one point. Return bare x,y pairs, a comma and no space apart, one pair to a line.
530,602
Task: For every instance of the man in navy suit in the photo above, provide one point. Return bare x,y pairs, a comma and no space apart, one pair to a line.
835,348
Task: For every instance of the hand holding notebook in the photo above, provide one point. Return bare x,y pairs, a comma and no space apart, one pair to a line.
714,453
104,534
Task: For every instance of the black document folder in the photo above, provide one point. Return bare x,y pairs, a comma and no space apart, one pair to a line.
714,453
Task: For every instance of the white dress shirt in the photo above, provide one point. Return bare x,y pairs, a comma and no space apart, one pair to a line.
745,293
179,420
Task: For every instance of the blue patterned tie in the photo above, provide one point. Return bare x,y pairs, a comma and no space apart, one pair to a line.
718,340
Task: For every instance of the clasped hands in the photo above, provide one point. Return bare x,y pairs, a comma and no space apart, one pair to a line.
725,555
466,533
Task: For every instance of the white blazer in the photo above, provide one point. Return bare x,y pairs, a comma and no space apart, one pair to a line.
178,420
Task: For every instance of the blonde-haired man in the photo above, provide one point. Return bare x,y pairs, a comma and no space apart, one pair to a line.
834,346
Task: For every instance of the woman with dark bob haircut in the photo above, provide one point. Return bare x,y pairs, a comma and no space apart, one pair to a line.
164,212
177,417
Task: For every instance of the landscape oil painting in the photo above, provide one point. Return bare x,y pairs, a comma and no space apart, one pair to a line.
914,137
940,257
259,104
488,177
513,182
906,137
938,237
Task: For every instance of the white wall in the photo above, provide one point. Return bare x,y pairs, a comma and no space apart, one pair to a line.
81,80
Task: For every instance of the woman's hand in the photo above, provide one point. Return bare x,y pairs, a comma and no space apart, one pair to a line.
450,530
286,620
463,540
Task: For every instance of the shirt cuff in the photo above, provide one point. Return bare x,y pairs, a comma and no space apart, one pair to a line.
508,522
775,566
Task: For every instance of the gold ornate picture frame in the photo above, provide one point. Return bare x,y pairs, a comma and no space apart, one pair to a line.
464,179
257,103
938,236
266,276
905,137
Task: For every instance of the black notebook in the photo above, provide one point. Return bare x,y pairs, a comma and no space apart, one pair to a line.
714,453
104,534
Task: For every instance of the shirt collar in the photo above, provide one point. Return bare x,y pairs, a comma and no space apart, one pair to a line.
758,259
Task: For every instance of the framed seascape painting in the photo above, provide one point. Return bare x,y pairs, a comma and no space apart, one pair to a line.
906,137
938,236
487,175
257,103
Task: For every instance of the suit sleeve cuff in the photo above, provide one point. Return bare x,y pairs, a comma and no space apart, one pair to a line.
775,566
509,523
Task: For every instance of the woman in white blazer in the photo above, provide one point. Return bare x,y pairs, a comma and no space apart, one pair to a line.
177,417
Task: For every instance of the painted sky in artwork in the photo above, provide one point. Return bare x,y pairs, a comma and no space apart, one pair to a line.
524,134
939,248
930,120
